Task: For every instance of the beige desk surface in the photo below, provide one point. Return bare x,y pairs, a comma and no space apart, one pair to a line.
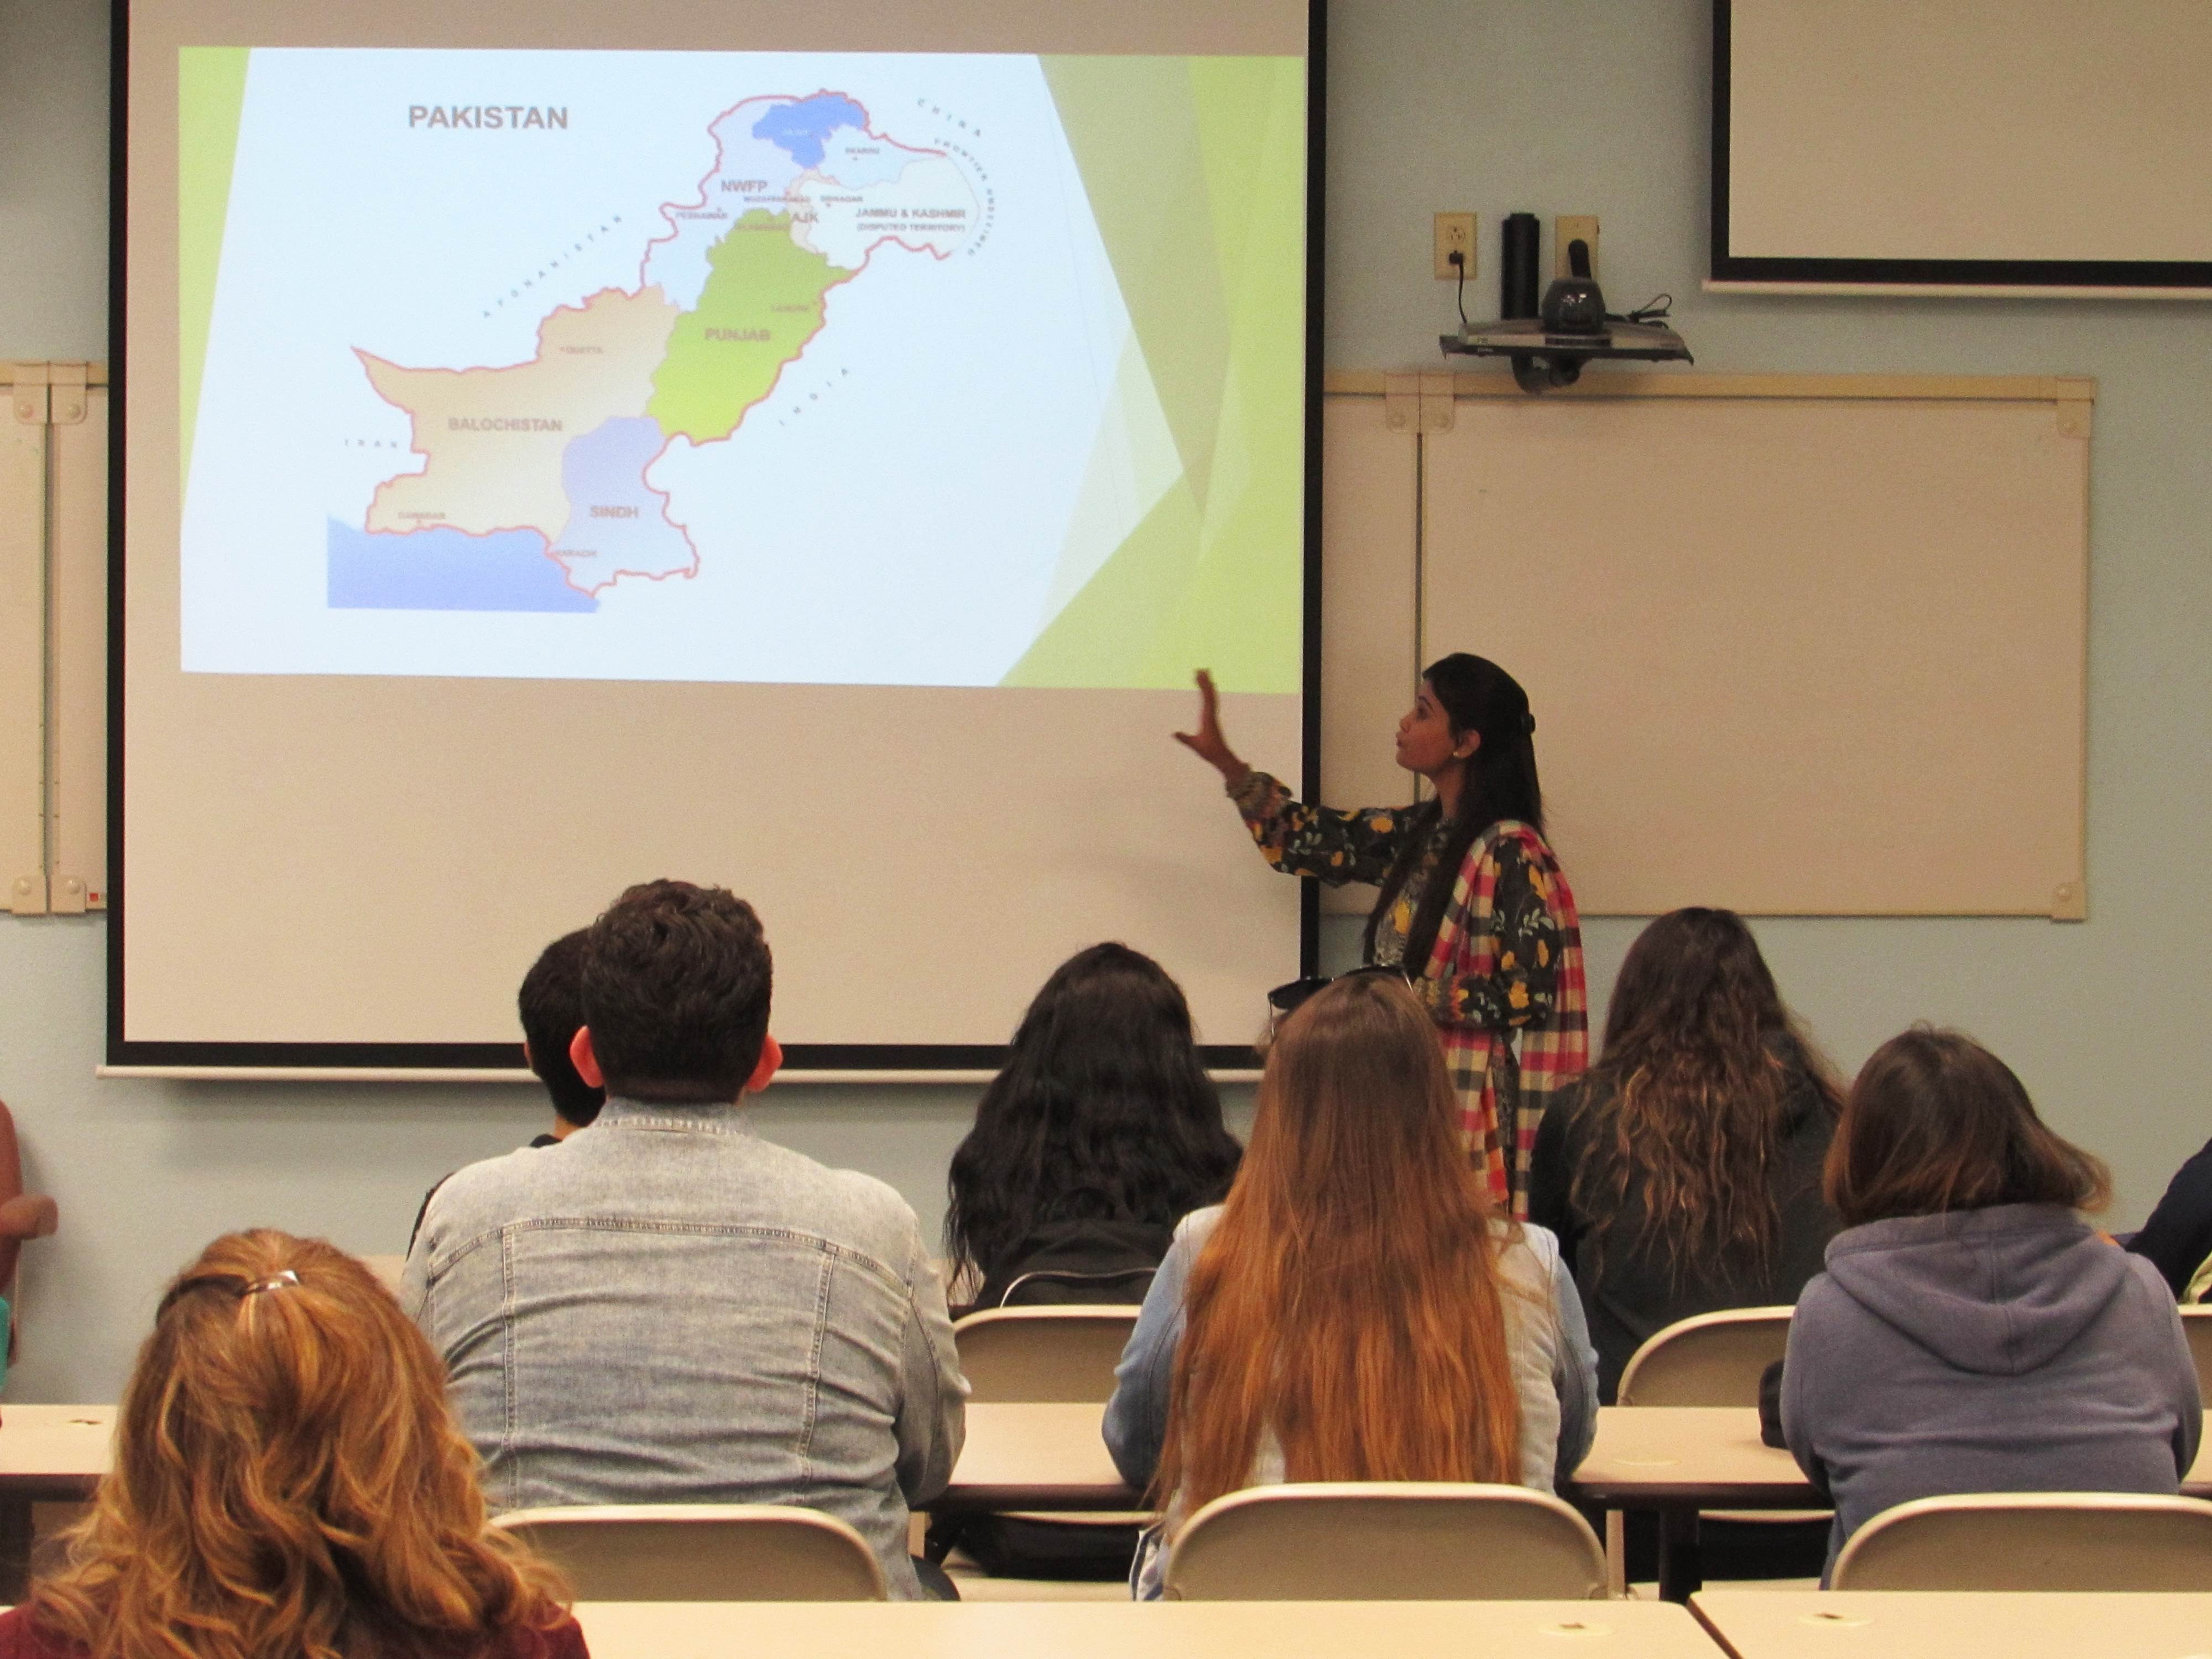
1035,1457
54,1451
1121,1629
1930,1625
1712,1456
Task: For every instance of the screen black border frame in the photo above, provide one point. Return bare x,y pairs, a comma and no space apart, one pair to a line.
801,1058
2022,277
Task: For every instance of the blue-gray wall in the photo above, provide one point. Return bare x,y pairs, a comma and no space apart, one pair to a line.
1433,104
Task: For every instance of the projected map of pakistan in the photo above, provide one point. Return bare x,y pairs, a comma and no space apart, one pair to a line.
811,368
552,456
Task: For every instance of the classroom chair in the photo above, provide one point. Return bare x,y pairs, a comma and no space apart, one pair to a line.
1041,1356
387,1269
1386,1540
2040,1540
703,1552
2196,1326
1708,1359
1026,1356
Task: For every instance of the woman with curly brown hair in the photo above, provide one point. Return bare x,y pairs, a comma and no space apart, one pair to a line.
1683,1175
289,1485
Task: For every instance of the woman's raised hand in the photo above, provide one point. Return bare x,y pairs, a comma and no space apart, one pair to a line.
1207,743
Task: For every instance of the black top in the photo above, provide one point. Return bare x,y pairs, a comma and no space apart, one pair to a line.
1636,1294
2177,1237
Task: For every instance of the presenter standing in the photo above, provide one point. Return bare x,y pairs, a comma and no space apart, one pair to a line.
1473,906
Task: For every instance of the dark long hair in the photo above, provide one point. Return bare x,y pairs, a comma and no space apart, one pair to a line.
1103,1112
1691,1097
1478,697
1935,1123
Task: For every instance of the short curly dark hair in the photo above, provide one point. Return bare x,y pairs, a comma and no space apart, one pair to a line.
677,980
551,1004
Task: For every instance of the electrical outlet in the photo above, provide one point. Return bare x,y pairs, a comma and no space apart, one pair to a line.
1455,235
1571,227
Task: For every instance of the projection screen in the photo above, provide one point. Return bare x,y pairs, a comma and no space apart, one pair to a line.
804,447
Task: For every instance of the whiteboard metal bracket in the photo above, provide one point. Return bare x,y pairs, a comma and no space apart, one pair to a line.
2069,901
26,895
28,396
1418,402
65,396
2077,406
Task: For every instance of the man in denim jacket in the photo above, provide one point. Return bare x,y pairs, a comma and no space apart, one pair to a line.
670,1311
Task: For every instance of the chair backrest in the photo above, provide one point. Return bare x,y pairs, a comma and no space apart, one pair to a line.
1021,1356
703,1552
1377,1540
1710,1360
2035,1540
387,1269
2196,1326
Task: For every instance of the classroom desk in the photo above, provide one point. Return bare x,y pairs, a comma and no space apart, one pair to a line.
1932,1625
53,1453
48,1453
1681,1459
1120,1630
1033,1457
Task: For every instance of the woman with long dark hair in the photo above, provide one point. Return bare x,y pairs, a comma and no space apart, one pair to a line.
1682,1175
1973,1332
1102,1124
1355,1311
1473,904
288,1483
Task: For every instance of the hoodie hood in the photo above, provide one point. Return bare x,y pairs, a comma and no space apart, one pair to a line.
2000,1291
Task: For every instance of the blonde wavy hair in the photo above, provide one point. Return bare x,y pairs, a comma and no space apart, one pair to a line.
287,1482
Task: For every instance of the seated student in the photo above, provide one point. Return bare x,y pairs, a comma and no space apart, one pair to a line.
1682,1173
287,1480
1354,1312
670,1311
551,1004
1971,1332
1101,1131
22,1216
2177,1237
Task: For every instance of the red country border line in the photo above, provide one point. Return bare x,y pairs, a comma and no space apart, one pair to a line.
550,537
568,575
676,230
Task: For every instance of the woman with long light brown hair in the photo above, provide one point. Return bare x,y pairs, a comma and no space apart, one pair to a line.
1354,1312
289,1485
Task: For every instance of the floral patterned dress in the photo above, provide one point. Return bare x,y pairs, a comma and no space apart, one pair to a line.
1504,981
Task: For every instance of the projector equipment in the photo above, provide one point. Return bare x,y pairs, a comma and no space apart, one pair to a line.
1571,327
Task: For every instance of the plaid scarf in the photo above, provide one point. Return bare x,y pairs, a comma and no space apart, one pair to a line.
1501,1093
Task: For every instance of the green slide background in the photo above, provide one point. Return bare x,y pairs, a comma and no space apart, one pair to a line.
1196,173
210,94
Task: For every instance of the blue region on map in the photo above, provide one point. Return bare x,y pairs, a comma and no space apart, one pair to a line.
446,569
800,128
616,522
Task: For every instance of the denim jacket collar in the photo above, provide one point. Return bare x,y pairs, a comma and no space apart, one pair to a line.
688,1118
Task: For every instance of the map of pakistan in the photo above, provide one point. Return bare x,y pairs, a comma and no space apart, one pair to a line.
783,367
550,458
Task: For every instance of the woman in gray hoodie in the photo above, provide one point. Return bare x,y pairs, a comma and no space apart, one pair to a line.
1971,1332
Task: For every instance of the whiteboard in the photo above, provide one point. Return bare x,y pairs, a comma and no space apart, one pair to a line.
1796,645
1946,142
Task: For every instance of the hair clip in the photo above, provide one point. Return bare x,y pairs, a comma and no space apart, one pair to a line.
275,1281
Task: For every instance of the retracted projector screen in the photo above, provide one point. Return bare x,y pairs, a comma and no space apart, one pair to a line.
797,446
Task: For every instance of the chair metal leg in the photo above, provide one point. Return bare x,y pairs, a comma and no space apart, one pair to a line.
1616,1554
